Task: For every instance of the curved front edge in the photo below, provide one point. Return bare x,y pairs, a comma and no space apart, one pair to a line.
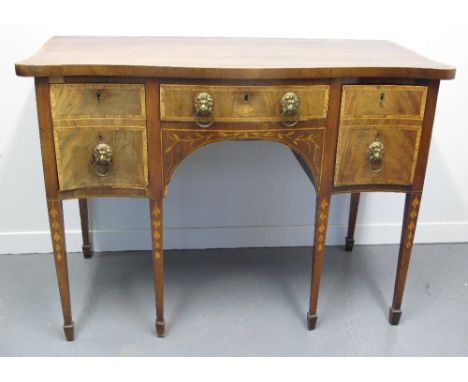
177,144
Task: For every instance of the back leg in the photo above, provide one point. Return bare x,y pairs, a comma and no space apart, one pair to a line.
85,228
353,211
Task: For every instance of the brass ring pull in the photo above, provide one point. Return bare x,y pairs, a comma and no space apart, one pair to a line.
203,104
289,119
375,155
289,109
102,158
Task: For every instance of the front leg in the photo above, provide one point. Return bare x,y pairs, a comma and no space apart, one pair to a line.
156,214
57,233
321,221
410,218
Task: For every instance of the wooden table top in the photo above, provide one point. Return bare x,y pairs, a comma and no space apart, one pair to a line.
228,58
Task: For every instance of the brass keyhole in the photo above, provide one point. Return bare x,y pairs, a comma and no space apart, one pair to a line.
98,97
382,97
246,98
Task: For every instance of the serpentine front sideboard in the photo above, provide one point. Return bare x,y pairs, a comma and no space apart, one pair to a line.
118,114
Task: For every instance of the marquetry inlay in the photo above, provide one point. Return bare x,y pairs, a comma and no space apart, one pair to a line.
413,215
56,235
156,230
178,143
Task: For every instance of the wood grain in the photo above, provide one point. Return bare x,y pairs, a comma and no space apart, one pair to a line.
90,101
425,142
101,192
383,101
243,103
155,151
46,135
401,148
223,58
395,113
74,151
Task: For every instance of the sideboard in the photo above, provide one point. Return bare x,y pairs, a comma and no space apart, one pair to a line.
117,115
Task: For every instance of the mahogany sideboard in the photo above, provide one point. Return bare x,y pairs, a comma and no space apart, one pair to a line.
118,114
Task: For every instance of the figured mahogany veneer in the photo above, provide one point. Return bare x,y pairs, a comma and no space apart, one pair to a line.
394,114
243,103
117,116
233,58
383,102
74,148
82,116
90,101
401,148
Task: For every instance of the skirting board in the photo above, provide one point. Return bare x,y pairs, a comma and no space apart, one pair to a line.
231,237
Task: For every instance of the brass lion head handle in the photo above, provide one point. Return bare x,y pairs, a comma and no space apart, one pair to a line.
289,109
375,155
102,158
203,104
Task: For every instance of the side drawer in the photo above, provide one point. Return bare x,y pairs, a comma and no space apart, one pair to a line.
97,100
242,103
76,165
383,101
354,164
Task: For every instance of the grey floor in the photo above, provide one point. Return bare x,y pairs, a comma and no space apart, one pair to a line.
238,302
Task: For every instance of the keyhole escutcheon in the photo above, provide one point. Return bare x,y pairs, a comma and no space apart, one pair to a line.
382,98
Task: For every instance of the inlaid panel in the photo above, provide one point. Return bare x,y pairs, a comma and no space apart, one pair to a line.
179,143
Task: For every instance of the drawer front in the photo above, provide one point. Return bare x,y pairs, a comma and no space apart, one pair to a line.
242,103
356,166
77,166
97,100
383,101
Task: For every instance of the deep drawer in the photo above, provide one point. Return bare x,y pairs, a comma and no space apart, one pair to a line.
359,147
78,166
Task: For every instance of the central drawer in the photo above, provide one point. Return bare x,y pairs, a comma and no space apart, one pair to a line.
242,103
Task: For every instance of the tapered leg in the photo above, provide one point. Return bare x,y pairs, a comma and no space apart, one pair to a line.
85,228
57,232
158,262
321,221
353,211
407,236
